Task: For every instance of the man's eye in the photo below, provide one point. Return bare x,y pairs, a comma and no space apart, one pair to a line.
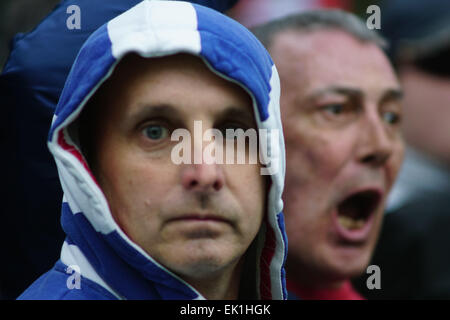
391,117
232,130
334,108
156,132
338,112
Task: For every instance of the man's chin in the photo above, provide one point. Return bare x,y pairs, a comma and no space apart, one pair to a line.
346,263
328,268
194,264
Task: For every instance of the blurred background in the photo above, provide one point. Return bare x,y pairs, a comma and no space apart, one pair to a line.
253,12
19,16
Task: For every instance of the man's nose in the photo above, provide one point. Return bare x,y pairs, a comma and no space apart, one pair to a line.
375,143
203,177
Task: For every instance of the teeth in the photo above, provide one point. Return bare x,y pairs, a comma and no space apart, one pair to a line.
350,223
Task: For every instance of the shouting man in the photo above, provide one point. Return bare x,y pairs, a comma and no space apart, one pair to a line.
341,111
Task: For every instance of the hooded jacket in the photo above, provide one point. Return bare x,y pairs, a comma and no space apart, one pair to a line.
30,86
98,260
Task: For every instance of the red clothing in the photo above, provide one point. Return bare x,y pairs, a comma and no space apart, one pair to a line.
345,292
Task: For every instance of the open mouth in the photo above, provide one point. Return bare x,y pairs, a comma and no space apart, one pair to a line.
354,212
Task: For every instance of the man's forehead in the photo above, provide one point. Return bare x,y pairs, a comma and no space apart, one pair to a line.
134,66
331,58
181,84
315,39
324,47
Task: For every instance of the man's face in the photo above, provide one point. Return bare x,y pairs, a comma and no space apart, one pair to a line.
341,112
197,220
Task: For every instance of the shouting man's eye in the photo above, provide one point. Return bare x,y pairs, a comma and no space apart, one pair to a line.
338,111
391,117
156,132
335,108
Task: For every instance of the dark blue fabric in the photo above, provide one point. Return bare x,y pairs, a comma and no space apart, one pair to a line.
30,86
52,285
87,75
280,219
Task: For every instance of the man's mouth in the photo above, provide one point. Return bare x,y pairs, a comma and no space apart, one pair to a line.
199,219
354,214
199,226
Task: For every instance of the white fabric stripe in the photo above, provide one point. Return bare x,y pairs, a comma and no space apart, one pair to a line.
275,201
134,31
71,255
67,198
54,118
89,198
275,119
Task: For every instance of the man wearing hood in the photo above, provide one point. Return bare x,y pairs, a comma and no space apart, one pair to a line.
139,225
31,83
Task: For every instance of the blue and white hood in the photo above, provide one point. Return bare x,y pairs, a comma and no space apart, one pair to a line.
95,243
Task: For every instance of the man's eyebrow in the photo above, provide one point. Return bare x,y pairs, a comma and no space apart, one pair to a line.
157,110
388,94
348,91
392,94
242,114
